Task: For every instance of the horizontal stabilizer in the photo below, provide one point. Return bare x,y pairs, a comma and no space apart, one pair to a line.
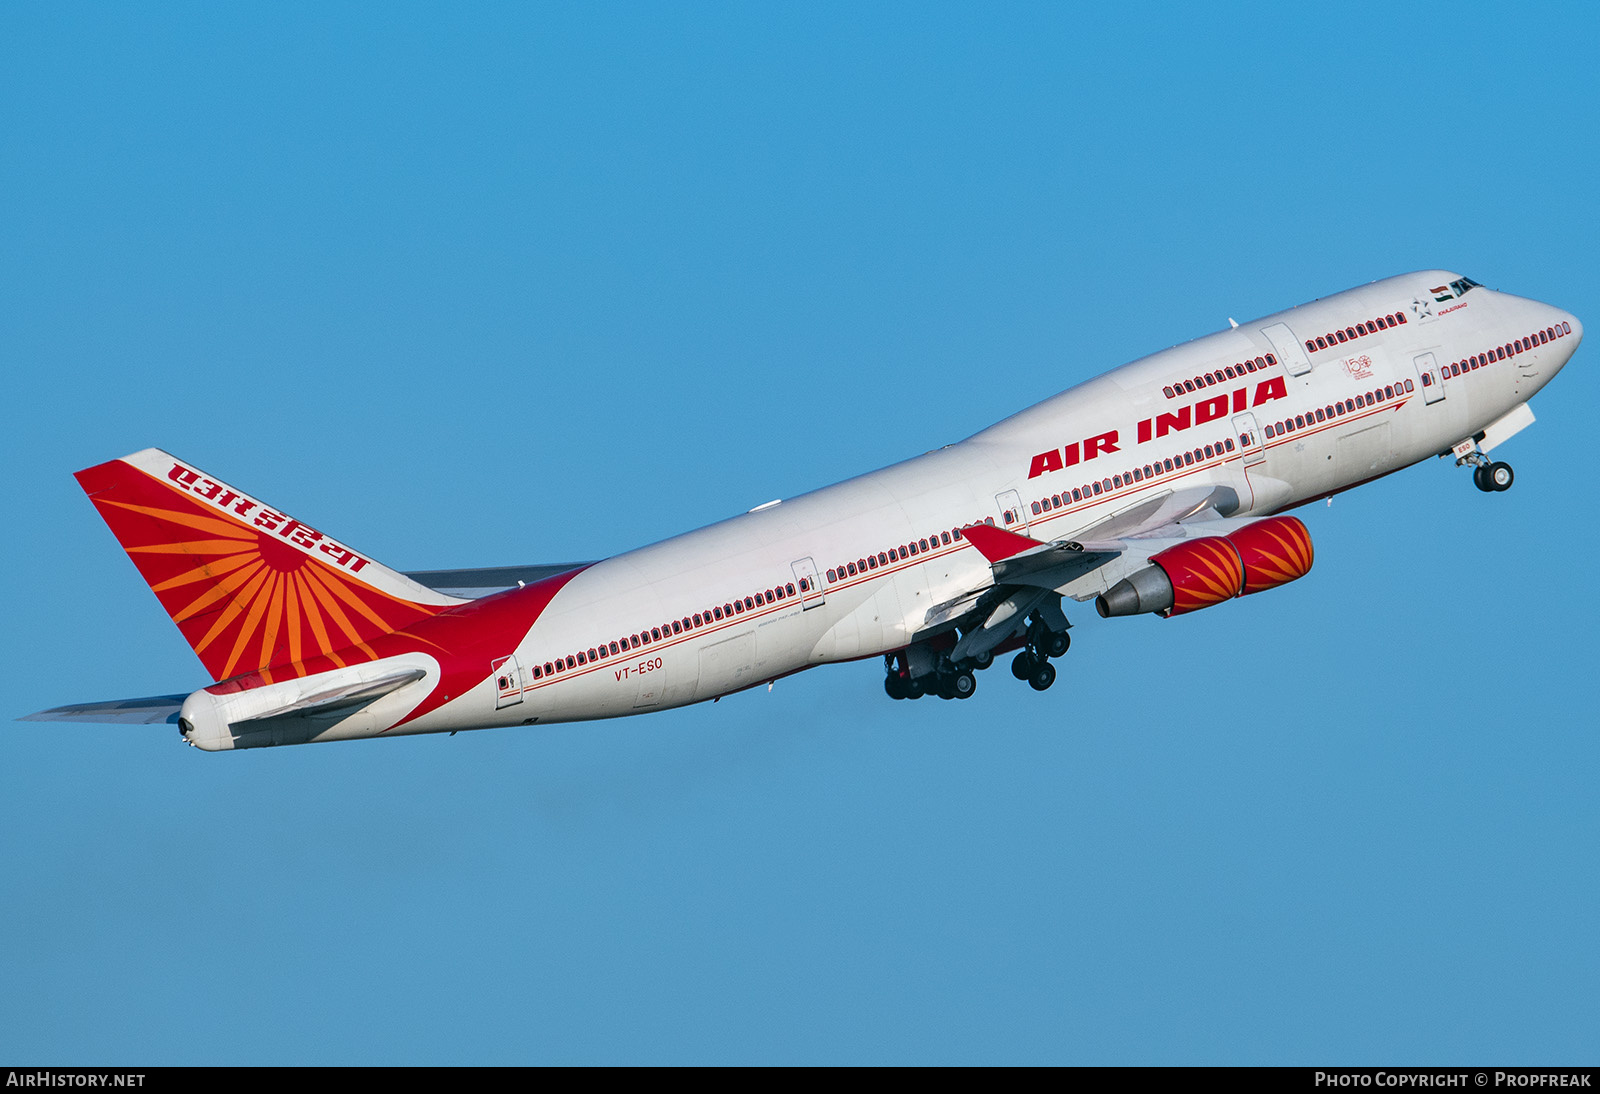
150,711
474,584
338,699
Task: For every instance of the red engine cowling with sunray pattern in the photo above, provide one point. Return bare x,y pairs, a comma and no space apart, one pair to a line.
1274,551
1203,572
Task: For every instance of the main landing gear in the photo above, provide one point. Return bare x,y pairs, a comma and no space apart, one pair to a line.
1033,663
922,670
950,681
1489,477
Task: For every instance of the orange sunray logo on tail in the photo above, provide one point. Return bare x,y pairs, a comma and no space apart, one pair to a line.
250,587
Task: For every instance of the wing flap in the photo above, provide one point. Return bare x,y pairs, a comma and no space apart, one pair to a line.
1154,515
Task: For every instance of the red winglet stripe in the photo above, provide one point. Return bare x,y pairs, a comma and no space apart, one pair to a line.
997,544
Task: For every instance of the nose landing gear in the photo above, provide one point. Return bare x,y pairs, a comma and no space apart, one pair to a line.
1490,477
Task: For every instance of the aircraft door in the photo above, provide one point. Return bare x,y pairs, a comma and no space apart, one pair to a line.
1013,517
651,671
1253,448
1428,376
1249,438
1290,351
507,682
805,579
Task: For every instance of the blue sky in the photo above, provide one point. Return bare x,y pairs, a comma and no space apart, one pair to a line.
490,284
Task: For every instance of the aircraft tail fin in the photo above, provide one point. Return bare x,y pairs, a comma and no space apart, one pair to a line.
249,586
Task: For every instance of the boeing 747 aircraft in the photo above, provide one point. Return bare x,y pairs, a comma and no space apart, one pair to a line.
1157,487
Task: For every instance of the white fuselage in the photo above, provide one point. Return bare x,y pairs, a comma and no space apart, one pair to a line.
1048,472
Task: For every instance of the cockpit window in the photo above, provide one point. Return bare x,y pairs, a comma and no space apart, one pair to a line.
1459,287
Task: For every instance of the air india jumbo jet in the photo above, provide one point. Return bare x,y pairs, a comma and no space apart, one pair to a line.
1157,487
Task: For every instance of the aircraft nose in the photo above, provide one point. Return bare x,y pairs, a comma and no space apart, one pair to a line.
1564,322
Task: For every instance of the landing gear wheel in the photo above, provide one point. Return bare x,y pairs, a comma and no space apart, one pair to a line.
962,685
895,687
1022,665
1499,476
914,689
983,660
1480,479
1042,676
1057,643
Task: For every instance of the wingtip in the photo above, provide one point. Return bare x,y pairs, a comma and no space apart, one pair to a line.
997,544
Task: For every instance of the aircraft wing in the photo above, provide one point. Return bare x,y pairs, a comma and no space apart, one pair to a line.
1150,516
472,584
1134,533
1013,557
1026,571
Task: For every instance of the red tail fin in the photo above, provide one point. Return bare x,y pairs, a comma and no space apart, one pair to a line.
250,587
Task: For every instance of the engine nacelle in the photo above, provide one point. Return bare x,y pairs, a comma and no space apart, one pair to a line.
1192,575
1275,552
1202,572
